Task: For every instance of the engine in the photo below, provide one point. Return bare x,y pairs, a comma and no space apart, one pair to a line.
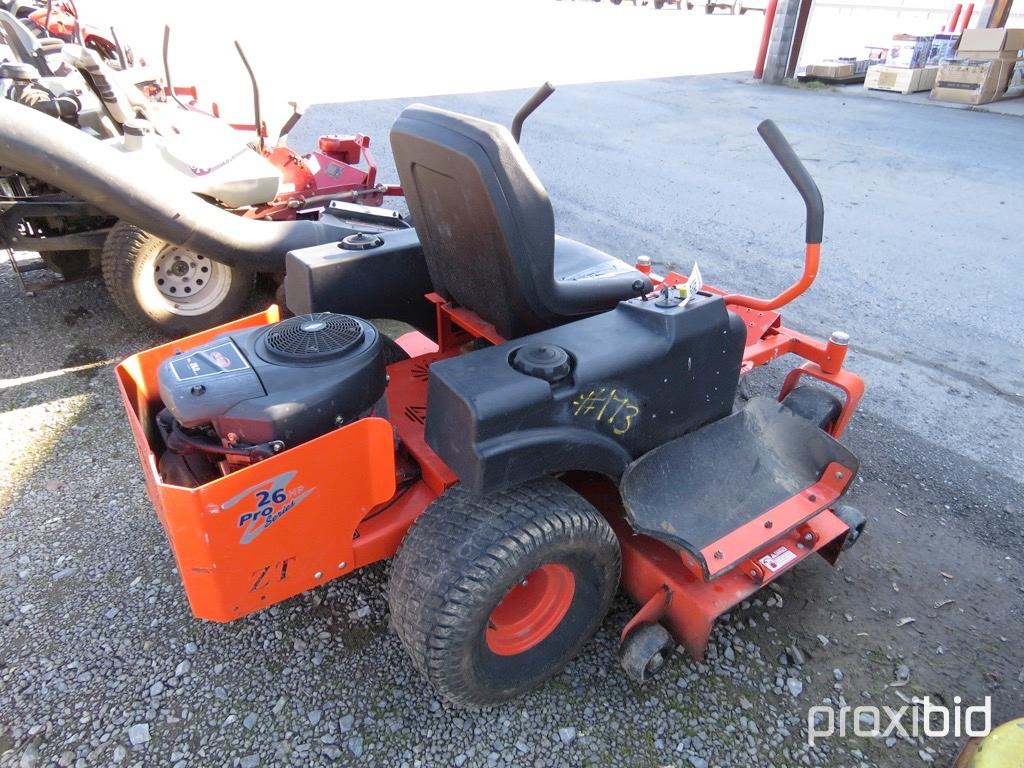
250,394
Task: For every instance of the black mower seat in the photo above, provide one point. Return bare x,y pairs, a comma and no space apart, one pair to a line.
696,489
487,227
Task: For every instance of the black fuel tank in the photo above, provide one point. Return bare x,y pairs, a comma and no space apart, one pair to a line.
590,395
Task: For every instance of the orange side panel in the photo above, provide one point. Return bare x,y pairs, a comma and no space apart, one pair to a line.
273,529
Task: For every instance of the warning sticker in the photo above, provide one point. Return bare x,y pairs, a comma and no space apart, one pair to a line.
225,357
778,559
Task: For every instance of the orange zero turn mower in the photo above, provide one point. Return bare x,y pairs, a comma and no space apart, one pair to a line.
557,425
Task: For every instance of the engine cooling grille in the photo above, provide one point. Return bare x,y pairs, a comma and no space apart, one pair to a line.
312,338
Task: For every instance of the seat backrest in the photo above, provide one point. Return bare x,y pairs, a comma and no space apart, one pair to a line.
22,42
484,219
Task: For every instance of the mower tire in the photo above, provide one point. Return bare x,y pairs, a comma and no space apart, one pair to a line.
815,404
492,595
644,652
855,520
173,289
73,265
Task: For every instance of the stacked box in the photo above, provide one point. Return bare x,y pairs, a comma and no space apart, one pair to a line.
989,65
943,49
900,79
909,51
838,68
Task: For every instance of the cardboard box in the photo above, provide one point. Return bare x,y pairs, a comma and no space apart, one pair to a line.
978,81
899,79
1007,44
909,51
837,69
943,48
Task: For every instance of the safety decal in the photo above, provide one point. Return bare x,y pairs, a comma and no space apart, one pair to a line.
778,559
222,358
266,503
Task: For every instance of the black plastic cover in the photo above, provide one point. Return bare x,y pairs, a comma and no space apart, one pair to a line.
388,281
641,375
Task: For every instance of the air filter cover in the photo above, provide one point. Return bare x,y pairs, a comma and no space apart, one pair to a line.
313,338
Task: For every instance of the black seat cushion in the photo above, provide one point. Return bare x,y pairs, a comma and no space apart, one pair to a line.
487,227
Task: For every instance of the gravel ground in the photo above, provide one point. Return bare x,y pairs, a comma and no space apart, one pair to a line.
101,662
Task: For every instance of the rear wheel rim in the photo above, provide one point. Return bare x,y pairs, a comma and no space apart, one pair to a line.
188,283
531,610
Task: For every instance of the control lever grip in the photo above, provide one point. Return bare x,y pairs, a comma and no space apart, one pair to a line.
528,108
799,175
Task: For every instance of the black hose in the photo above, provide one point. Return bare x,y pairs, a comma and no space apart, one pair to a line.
147,195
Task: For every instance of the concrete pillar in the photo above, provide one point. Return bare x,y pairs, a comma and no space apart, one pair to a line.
781,44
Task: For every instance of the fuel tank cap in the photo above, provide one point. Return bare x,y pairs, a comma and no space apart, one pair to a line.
544,361
361,241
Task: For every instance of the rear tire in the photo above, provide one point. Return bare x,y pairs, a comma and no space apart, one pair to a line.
493,595
173,289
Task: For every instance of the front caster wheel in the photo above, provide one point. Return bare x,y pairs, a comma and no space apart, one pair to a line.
492,595
645,651
856,521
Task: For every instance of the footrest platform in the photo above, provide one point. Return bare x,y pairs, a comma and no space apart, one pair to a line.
725,491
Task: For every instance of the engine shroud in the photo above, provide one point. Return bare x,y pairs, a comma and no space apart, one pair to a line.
290,381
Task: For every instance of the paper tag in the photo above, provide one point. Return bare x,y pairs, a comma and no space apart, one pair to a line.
778,559
693,284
